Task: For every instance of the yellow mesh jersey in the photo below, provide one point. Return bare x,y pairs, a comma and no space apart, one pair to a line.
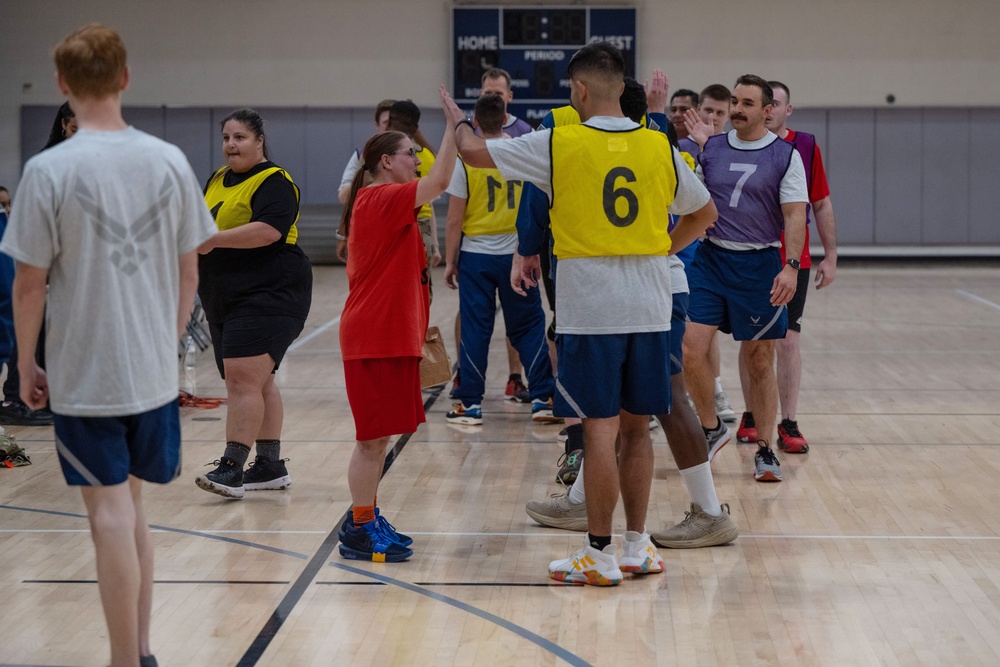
231,205
492,204
625,212
566,115
426,157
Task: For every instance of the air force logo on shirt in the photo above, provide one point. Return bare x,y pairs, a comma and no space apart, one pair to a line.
126,238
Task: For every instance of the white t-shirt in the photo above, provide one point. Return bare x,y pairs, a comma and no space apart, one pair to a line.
603,295
351,169
485,244
108,214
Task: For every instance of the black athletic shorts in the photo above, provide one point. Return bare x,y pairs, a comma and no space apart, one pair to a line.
798,302
253,336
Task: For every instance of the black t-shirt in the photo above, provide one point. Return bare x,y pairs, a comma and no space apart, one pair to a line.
275,279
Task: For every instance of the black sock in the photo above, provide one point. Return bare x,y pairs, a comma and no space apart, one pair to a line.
269,449
237,451
598,541
574,438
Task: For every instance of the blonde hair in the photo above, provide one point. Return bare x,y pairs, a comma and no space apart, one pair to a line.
91,60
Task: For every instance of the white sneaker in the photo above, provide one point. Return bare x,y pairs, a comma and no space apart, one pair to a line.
723,408
588,566
640,555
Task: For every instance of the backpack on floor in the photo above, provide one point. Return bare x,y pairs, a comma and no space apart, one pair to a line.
12,454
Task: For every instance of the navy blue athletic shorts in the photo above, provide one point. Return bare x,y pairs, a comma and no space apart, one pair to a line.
600,375
104,451
731,290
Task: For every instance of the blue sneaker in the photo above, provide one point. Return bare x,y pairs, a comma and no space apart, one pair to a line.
470,415
541,412
384,525
369,542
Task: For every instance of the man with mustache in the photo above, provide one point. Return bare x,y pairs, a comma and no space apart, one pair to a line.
790,439
738,282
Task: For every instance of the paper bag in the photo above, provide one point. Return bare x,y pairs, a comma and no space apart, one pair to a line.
435,367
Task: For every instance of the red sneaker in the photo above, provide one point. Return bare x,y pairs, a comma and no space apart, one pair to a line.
516,391
747,432
790,438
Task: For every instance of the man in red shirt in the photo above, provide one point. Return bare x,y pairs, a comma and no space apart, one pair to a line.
790,438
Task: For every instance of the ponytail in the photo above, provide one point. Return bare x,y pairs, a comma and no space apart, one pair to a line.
381,144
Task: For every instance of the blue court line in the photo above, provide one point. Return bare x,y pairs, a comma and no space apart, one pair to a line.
168,529
522,632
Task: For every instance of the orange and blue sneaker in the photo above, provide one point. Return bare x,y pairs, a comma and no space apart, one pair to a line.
541,412
369,542
640,555
588,566
470,415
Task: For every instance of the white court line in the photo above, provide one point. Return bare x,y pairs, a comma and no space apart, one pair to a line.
559,534
213,532
975,297
747,536
313,334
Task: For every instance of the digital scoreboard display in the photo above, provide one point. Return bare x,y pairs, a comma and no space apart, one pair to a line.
534,44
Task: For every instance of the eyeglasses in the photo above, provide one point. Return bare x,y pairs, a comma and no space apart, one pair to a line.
411,152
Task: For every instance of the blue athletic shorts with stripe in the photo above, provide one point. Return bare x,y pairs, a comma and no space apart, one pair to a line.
600,375
104,451
732,290
678,325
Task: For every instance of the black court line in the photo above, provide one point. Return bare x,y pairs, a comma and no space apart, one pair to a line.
168,529
156,581
349,583
294,594
452,583
554,584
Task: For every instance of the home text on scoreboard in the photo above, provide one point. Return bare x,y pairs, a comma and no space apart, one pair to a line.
534,45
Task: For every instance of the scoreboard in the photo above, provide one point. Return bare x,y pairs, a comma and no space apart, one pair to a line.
534,44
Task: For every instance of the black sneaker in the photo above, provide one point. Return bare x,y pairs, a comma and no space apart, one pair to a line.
266,475
569,467
148,661
16,413
369,542
226,480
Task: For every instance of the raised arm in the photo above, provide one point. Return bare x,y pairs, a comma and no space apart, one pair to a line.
473,148
439,176
656,95
698,130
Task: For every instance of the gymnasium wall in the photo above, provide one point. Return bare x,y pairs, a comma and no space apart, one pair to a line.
335,56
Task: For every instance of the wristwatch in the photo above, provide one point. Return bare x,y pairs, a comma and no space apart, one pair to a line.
794,263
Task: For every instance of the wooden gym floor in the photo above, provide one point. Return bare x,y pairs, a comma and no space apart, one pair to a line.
881,547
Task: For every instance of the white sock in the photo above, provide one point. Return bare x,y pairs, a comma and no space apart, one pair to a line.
576,492
718,385
701,488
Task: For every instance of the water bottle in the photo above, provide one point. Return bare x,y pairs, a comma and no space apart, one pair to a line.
190,362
